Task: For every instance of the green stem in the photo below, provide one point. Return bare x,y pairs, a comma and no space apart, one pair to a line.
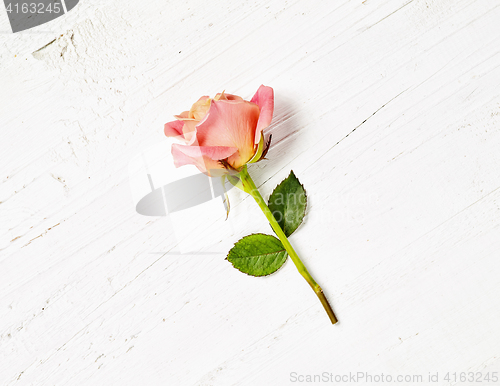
250,188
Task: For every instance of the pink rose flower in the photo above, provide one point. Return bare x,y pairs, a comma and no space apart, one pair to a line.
222,134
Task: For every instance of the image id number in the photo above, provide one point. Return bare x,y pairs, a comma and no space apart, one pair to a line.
471,377
34,8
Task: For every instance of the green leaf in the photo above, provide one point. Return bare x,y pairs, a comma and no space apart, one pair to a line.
288,204
257,255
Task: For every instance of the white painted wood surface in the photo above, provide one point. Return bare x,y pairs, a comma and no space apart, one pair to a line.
389,113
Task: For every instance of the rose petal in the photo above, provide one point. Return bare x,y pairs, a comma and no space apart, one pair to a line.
189,131
183,116
231,97
227,97
200,108
205,158
221,96
264,98
231,124
174,129
213,152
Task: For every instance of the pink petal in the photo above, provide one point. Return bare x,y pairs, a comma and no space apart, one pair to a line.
205,158
227,97
213,152
231,97
264,98
230,124
182,116
173,129
189,131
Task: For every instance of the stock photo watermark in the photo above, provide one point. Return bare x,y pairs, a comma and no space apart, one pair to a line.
26,14
373,378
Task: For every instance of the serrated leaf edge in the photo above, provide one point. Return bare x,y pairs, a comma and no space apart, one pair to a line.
305,193
253,234
263,234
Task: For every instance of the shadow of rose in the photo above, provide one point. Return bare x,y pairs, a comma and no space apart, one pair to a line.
284,127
